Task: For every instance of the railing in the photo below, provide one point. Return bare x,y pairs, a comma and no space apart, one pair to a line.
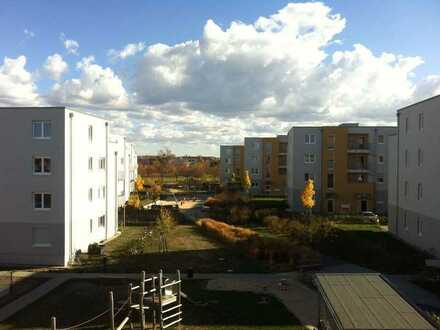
358,146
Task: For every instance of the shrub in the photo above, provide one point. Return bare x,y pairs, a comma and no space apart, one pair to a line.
260,214
94,249
240,215
165,221
225,232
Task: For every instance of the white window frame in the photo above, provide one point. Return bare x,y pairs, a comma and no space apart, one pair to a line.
90,194
42,165
42,195
310,139
381,139
101,221
91,226
43,131
102,163
90,163
309,158
419,157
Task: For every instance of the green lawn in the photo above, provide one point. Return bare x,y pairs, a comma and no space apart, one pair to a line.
369,246
188,248
76,301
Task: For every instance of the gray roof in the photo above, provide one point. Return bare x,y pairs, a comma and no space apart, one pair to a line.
367,301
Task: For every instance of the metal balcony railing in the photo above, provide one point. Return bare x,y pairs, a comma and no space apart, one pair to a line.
358,146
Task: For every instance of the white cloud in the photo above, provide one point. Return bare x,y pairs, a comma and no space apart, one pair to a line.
97,86
71,45
17,86
55,66
29,34
127,51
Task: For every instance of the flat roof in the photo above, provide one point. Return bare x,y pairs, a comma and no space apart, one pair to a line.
367,301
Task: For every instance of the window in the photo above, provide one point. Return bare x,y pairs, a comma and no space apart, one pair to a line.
330,181
42,165
309,158
122,160
405,221
42,201
102,163
331,141
256,145
282,171
91,225
380,159
41,129
90,163
380,179
419,226
90,194
98,192
419,191
406,125
40,237
90,133
330,205
381,139
419,157
101,221
420,121
406,157
310,139
308,176
330,164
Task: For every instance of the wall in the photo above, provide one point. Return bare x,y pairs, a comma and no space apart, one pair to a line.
18,183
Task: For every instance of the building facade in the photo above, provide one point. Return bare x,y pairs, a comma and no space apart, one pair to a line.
414,210
265,158
346,162
231,163
58,184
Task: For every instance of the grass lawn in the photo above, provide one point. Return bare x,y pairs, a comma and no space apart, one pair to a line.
187,248
369,246
76,301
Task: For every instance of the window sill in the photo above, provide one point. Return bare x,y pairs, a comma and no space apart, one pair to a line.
41,138
42,174
42,209
48,245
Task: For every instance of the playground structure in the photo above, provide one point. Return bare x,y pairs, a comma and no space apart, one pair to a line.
156,298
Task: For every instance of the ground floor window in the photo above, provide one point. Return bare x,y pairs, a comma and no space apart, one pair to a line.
42,201
101,221
364,205
330,205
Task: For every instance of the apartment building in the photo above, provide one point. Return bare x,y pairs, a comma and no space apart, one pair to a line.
266,160
231,162
414,208
57,184
346,162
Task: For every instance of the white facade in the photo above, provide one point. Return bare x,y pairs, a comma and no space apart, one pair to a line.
414,208
57,184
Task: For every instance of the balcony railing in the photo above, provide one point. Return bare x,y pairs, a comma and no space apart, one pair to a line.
358,146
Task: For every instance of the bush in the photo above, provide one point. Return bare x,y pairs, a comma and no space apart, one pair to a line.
225,232
240,215
260,214
94,249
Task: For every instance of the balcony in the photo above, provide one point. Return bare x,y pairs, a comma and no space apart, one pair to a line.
357,147
357,168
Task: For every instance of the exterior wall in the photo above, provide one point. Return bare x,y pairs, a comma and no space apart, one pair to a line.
231,162
392,184
422,225
253,162
18,183
82,221
297,168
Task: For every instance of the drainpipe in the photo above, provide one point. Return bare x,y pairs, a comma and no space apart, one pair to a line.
106,180
398,174
116,191
70,187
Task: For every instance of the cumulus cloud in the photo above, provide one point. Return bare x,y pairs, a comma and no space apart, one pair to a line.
55,66
70,45
97,86
127,51
17,86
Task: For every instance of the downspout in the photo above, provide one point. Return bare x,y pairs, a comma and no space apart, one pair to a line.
70,187
106,180
116,192
398,174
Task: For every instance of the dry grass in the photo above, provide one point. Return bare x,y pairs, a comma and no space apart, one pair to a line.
225,232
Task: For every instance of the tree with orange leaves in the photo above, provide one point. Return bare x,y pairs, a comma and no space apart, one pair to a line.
308,196
139,183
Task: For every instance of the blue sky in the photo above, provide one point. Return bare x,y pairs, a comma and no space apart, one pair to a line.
405,27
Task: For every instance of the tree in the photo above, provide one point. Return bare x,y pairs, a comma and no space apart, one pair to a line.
139,184
164,224
134,201
308,196
164,157
246,182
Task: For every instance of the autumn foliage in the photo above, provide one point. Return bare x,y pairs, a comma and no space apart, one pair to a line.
308,195
225,232
139,184
246,180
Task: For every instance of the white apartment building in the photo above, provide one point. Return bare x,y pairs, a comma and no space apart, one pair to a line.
58,184
414,167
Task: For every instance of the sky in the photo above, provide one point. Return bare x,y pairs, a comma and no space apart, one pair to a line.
191,75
